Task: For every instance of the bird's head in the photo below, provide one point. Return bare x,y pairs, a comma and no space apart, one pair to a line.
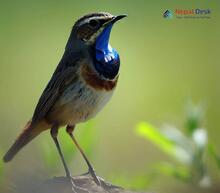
90,34
93,27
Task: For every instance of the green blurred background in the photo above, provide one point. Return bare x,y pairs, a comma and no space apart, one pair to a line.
164,62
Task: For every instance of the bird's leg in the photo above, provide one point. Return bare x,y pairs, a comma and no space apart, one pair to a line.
54,133
69,130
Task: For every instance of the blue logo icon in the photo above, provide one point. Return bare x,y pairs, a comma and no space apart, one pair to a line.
167,14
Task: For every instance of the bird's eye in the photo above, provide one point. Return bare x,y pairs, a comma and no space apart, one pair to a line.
93,23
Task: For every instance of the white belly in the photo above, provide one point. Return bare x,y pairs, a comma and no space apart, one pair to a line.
80,103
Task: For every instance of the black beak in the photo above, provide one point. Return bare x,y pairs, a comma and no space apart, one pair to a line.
118,17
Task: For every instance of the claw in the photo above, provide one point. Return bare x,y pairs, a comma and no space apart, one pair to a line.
95,177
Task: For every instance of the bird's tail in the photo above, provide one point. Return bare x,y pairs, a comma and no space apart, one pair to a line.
30,132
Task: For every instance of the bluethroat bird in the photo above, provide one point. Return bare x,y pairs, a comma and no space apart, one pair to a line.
81,85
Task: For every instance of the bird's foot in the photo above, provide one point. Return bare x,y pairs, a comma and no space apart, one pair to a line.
94,176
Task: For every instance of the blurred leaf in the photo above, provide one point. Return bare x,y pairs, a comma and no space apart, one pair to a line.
181,173
194,117
205,182
213,152
176,136
149,132
200,137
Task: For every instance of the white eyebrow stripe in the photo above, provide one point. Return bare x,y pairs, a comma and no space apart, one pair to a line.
86,20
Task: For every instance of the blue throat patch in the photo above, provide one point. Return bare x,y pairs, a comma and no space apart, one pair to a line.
107,59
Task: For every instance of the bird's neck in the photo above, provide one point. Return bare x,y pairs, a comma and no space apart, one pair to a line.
107,60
